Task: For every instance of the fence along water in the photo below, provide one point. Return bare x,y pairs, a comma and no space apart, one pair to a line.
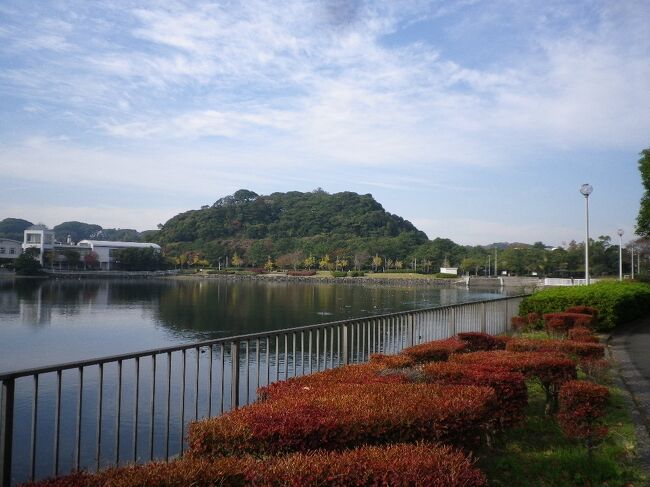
136,407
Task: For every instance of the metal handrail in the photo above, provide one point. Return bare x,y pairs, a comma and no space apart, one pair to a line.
125,390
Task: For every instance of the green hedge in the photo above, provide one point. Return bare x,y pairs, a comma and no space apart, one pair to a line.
339,273
617,302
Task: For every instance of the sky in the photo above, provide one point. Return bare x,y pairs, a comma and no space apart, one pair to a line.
477,121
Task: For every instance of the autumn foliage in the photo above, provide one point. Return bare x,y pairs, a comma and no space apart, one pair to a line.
400,465
438,350
582,405
509,386
338,416
579,349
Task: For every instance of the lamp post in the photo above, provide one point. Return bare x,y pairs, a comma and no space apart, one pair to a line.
632,257
586,190
620,254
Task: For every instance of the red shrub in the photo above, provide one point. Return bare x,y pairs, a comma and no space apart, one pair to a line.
224,471
501,341
582,334
301,273
350,374
435,351
478,342
399,361
341,416
569,347
569,320
533,319
518,323
585,310
582,404
509,386
552,369
595,369
556,326
400,465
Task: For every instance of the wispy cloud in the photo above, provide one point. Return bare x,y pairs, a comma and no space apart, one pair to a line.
161,89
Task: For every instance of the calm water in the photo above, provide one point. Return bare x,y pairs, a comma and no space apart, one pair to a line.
54,321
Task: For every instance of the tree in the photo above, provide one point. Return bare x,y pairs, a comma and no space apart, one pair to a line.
91,260
325,263
643,219
310,262
236,261
72,257
376,262
26,264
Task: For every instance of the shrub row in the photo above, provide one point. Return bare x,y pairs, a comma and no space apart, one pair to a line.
337,416
563,322
617,302
482,342
437,350
350,374
579,349
582,405
398,465
582,334
301,273
509,386
552,369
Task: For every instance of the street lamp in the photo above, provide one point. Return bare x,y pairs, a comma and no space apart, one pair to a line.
586,190
620,254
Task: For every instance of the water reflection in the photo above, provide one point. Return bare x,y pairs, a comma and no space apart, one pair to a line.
46,322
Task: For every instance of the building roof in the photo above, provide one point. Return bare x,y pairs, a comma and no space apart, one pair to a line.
118,245
10,240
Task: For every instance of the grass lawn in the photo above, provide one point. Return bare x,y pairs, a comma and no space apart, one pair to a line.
538,454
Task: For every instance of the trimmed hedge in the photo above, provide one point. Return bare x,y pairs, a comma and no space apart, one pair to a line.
350,374
480,342
582,334
338,416
399,361
617,302
301,273
509,386
582,404
579,349
552,369
563,322
399,465
438,350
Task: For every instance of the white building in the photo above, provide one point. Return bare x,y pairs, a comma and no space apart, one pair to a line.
106,250
42,238
39,237
9,250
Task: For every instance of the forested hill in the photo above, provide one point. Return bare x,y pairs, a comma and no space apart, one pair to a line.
246,215
317,223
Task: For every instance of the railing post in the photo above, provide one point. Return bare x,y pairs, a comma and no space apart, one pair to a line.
234,381
483,318
6,433
410,337
452,322
344,345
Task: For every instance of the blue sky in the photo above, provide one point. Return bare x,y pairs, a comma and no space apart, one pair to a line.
476,120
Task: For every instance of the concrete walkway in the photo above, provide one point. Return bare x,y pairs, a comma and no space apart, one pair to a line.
629,345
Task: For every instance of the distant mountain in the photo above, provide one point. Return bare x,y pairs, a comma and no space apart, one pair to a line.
273,225
13,228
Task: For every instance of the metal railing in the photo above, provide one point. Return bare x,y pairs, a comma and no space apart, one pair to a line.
136,407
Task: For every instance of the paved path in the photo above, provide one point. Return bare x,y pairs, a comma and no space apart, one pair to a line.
630,347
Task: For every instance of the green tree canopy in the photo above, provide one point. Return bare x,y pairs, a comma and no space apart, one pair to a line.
643,219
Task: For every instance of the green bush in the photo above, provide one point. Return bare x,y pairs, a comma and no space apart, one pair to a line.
440,275
357,273
339,274
617,302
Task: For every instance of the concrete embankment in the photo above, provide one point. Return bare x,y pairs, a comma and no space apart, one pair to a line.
327,280
504,281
